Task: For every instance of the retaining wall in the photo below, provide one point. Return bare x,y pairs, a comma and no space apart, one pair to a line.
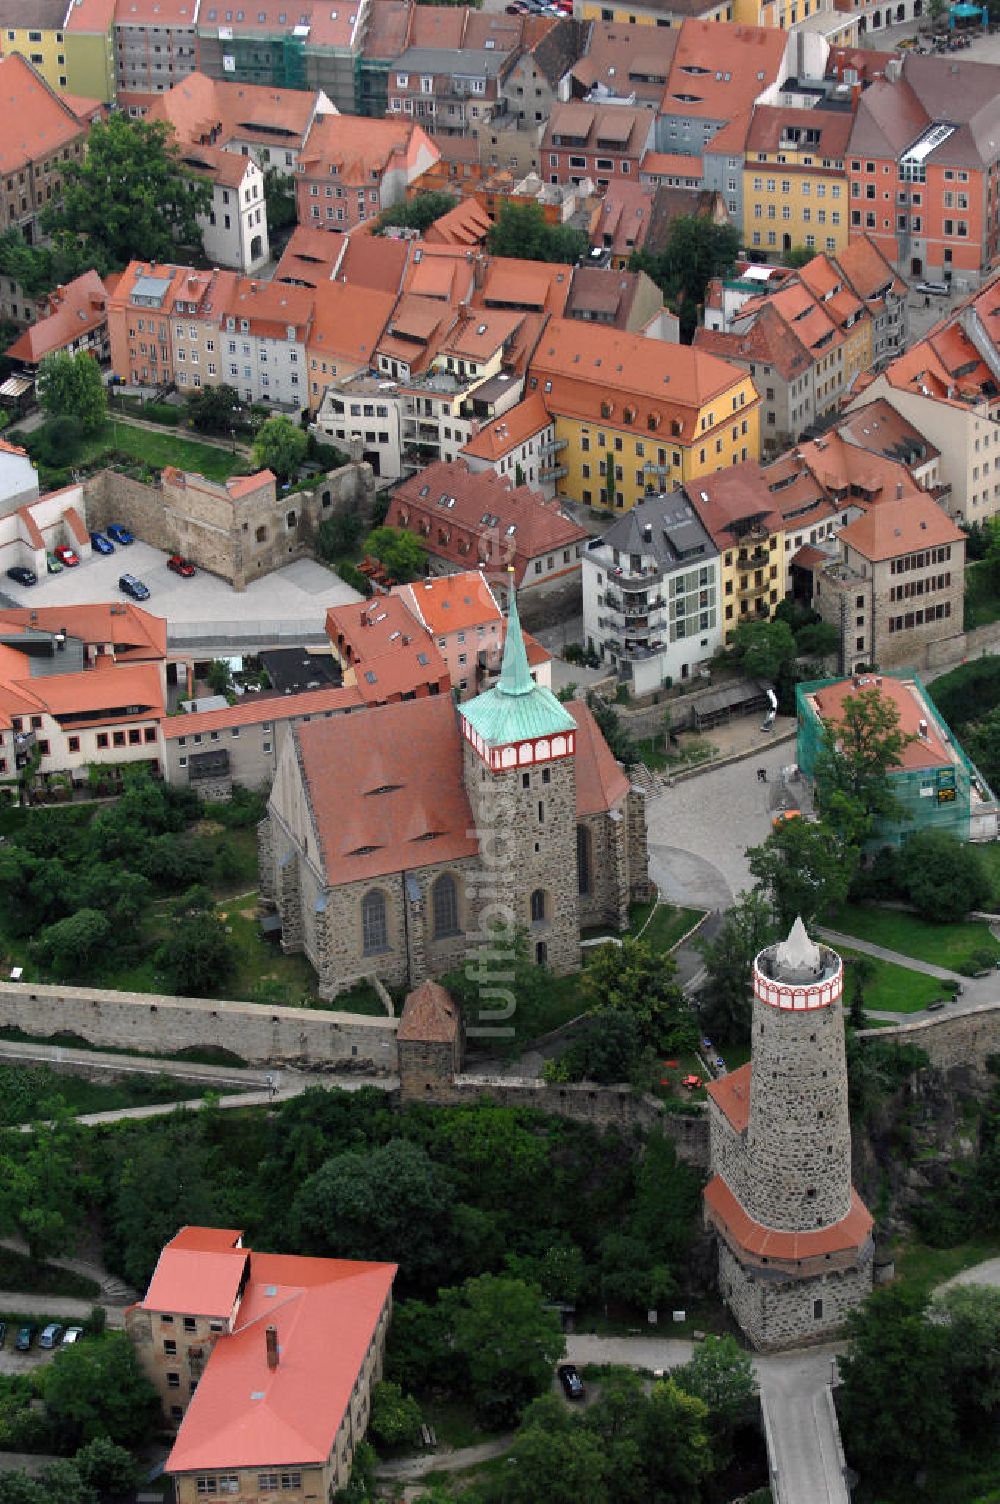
584,1102
952,1040
311,1037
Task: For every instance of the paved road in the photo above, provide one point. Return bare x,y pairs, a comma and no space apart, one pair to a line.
700,829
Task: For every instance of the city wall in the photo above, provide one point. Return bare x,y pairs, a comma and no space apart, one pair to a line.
313,1038
952,1040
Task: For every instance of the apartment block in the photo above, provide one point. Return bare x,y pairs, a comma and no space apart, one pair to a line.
352,168
634,415
156,45
602,143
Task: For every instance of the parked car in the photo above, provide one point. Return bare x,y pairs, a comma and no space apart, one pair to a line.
66,555
51,1335
180,565
52,564
939,289
72,1334
133,587
22,576
571,1381
3,1334
119,534
100,544
25,1337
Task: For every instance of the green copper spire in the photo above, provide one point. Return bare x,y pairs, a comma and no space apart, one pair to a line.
516,709
515,675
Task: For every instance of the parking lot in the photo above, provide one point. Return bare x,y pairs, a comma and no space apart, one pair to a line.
299,593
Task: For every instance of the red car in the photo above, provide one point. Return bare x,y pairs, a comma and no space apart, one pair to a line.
66,556
180,566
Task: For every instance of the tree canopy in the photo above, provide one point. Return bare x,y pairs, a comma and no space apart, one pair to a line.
858,753
280,446
635,980
522,231
96,1388
764,647
419,213
725,1000
507,1341
943,877
696,250
130,196
70,386
805,867
402,553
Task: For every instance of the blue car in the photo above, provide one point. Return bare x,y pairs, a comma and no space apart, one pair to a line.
100,544
120,535
133,587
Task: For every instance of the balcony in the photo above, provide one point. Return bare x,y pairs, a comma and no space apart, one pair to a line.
750,590
552,472
651,467
552,446
745,560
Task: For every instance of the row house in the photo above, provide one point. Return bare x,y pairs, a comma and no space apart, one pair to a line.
270,125
44,132
156,45
351,168
718,73
76,320
79,685
468,520
537,78
794,180
448,76
945,386
70,42
305,46
623,64
602,143
922,166
635,415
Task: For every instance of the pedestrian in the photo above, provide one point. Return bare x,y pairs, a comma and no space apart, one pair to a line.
761,775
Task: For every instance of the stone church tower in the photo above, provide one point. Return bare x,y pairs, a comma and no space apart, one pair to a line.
519,749
794,1238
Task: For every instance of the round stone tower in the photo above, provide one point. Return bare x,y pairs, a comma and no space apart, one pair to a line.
794,1238
798,1170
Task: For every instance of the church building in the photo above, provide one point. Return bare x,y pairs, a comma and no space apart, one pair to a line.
398,838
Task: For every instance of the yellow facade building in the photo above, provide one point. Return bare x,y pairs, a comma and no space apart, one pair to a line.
69,42
794,186
635,415
651,13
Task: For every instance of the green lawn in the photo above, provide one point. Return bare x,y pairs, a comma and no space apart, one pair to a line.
922,1267
159,449
29,1092
895,989
946,945
667,926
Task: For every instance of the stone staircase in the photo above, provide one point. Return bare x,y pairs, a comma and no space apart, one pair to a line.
643,778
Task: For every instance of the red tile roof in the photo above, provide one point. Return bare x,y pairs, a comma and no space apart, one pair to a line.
928,751
489,521
244,1413
348,322
899,527
37,122
740,1229
390,653
386,789
500,435
254,710
74,310
136,634
601,783
196,1281
732,1095
717,67
451,602
430,1013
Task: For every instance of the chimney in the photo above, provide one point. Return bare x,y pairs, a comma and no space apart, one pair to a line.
855,97
271,1338
899,490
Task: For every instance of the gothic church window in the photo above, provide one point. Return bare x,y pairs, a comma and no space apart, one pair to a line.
374,928
445,906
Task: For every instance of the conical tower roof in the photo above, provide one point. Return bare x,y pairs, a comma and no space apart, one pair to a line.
516,709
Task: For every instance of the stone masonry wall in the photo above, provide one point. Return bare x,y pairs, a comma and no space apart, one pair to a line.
239,541
798,1146
776,1313
584,1102
728,1151
952,1040
525,853
157,1024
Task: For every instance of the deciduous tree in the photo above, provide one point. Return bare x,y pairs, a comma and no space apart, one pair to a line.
198,959
508,1343
403,555
280,446
725,1000
640,982
943,877
858,753
721,1374
70,386
96,1388
764,647
522,231
130,195
804,868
